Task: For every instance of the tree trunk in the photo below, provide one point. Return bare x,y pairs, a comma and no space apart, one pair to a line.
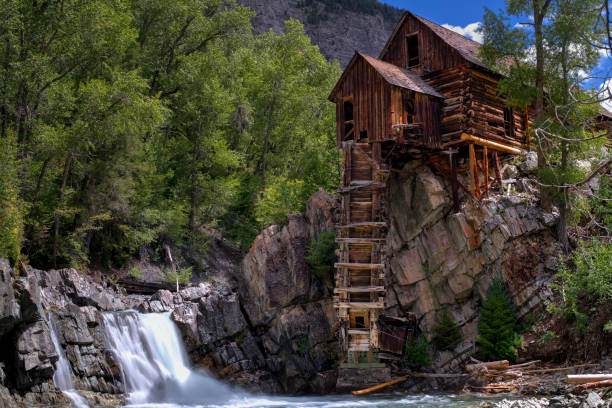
538,16
56,215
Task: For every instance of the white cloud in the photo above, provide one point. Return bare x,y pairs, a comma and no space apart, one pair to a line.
468,31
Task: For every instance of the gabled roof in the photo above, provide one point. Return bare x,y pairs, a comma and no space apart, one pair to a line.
467,48
392,74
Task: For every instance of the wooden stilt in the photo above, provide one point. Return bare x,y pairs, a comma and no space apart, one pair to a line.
498,175
474,172
472,166
485,164
452,159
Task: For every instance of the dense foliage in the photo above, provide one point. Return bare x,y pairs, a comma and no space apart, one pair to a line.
497,325
585,280
447,333
321,253
417,355
132,123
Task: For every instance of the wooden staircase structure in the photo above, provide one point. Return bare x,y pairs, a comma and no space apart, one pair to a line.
360,280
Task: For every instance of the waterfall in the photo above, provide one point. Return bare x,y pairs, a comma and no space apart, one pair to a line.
62,377
154,363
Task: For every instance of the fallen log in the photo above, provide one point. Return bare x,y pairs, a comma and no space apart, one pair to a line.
587,378
597,384
490,365
523,365
436,375
552,370
379,386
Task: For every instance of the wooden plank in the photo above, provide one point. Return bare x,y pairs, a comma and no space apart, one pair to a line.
368,224
491,144
363,266
360,305
360,289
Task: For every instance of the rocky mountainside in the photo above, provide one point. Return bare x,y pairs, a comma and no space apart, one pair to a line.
337,27
270,325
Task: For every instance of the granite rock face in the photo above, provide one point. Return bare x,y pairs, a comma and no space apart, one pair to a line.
337,31
272,330
438,259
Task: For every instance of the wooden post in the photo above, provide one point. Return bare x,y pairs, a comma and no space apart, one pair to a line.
472,165
485,163
474,172
498,174
452,161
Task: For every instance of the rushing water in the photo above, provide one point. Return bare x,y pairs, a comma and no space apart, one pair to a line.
62,377
156,373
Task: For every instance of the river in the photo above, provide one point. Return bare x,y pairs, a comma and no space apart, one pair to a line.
156,373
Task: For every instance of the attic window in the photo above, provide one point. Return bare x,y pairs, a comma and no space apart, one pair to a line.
509,122
348,119
412,50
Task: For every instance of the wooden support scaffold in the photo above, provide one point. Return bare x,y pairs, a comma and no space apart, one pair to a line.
360,281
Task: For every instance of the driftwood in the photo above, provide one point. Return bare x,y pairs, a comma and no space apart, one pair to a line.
597,384
491,365
587,378
379,386
552,370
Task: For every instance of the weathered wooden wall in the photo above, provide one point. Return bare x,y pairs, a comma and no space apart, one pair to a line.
434,53
377,106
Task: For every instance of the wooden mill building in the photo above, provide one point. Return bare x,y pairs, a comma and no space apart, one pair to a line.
426,96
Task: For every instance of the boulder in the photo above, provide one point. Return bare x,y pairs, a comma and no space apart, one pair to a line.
10,312
530,162
35,355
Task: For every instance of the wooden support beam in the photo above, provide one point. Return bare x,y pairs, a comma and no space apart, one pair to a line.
472,166
362,266
360,305
491,144
364,225
498,175
485,163
360,289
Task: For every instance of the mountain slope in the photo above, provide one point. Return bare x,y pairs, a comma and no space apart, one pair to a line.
338,27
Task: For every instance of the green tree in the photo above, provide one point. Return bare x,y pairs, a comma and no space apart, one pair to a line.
497,325
447,333
552,52
11,222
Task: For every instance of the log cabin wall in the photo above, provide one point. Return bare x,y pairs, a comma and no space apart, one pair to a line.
434,53
488,115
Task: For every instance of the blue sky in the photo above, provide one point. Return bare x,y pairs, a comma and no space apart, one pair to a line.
453,12
464,18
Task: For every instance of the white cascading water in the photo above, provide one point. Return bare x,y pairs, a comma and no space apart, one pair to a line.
154,363
156,373
62,378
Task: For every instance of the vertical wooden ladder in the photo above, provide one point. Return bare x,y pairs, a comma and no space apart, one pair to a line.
360,281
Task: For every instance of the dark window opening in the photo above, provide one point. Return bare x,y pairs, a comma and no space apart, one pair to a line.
408,103
509,122
412,50
359,322
363,135
348,119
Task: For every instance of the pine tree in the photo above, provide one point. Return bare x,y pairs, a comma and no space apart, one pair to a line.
497,325
447,333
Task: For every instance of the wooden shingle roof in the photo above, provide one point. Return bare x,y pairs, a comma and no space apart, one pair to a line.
392,74
466,47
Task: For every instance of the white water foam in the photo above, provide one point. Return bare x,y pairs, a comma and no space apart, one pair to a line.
154,363
156,374
62,377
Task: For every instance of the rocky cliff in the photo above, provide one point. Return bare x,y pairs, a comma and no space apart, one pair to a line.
270,326
337,27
